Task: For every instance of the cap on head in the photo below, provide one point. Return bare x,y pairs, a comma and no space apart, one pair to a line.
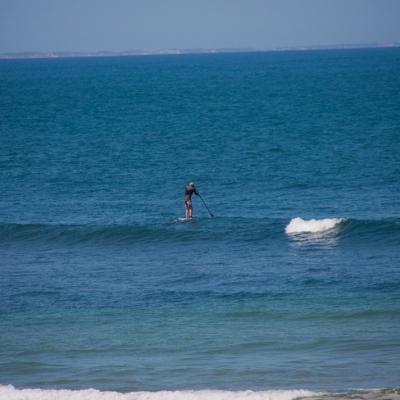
191,184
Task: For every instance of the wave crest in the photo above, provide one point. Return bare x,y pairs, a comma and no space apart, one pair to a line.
299,225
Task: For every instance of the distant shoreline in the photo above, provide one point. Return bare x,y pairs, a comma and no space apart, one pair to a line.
76,54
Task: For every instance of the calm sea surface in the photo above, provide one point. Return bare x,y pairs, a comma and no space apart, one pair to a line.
101,288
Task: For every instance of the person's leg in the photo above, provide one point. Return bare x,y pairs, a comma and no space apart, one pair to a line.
190,211
186,210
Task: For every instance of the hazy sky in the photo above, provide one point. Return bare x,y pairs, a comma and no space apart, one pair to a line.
83,25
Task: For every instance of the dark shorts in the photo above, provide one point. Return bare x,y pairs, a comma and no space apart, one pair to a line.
188,203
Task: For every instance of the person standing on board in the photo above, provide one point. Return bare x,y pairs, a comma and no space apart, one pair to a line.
187,199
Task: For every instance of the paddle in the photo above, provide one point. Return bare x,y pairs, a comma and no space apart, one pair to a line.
205,205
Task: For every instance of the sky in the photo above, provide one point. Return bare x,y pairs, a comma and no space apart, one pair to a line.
118,25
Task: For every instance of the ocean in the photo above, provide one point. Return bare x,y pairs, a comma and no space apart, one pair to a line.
291,290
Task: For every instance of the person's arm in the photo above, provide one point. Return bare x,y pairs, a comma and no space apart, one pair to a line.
196,192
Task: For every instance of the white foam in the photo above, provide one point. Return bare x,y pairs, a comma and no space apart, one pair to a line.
10,393
299,225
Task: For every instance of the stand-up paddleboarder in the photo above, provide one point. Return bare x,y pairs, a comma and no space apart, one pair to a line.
187,199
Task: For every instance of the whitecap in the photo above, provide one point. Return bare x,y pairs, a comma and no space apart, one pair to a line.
299,225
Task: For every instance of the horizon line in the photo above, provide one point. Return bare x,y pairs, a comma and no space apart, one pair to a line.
186,51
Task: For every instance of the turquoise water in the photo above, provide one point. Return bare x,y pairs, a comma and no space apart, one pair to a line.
100,288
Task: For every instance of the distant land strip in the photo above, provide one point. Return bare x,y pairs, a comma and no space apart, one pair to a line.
72,54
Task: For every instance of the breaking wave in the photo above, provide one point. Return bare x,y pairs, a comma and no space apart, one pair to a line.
216,229
299,225
10,393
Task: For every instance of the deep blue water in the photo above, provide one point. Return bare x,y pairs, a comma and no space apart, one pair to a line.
99,288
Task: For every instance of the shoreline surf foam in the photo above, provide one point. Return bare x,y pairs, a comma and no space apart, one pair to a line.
9,392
